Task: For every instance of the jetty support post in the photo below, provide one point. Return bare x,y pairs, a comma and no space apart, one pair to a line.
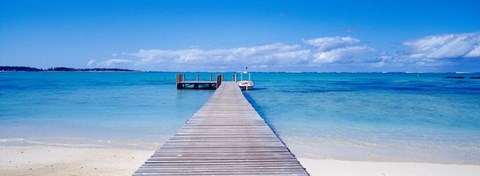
179,79
211,78
219,80
198,77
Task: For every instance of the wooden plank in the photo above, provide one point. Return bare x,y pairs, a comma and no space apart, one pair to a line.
226,136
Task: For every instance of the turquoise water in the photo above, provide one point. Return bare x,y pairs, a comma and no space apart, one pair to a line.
394,117
139,110
353,116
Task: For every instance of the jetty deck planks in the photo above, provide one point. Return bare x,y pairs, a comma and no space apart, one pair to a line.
225,137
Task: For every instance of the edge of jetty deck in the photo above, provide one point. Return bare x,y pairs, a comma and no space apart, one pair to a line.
182,83
226,136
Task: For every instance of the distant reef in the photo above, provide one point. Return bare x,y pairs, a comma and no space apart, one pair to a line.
60,69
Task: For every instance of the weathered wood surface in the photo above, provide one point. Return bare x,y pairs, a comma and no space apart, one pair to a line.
225,137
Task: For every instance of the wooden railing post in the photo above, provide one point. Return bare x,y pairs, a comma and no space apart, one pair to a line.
219,80
211,79
198,77
179,81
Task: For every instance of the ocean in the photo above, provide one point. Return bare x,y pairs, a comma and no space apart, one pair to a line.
420,117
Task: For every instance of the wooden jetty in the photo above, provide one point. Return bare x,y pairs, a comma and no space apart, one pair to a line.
226,136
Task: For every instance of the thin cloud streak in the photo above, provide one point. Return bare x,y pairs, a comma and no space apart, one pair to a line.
465,45
328,43
109,62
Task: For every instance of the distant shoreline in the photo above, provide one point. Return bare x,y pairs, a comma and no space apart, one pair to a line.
61,69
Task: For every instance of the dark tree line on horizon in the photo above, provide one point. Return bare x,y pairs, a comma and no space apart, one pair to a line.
60,69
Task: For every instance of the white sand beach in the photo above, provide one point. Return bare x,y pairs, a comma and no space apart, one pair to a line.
368,168
46,160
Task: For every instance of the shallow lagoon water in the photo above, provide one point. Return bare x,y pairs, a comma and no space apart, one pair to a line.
352,116
139,110
374,116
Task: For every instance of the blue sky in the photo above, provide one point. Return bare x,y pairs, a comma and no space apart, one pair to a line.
368,35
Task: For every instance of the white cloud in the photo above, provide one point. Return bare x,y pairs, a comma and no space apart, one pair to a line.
475,52
436,51
314,52
91,62
262,54
340,54
327,43
108,63
445,46
112,62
